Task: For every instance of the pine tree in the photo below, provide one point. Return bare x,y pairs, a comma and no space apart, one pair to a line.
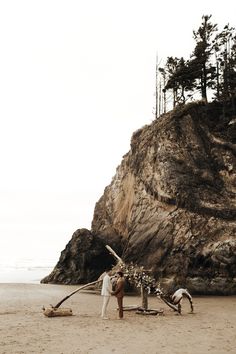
178,78
204,71
225,53
212,66
169,72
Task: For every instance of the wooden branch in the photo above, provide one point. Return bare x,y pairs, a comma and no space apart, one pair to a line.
114,254
75,291
175,308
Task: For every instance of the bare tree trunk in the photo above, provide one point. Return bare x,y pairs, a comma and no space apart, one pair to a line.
156,108
160,97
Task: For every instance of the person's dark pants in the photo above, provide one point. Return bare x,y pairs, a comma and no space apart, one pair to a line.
120,305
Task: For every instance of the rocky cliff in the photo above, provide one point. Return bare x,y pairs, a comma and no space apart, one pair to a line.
170,207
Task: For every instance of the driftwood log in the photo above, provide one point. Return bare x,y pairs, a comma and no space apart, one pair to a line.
55,311
52,312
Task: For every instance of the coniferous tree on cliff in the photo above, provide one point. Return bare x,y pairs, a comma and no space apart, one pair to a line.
225,56
211,68
180,79
204,71
169,70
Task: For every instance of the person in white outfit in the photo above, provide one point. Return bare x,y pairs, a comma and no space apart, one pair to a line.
106,293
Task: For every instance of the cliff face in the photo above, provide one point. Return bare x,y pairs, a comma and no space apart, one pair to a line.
171,205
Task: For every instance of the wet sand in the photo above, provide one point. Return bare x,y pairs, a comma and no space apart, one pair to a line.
24,328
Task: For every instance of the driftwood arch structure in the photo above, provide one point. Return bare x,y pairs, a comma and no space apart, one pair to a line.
177,297
143,309
56,310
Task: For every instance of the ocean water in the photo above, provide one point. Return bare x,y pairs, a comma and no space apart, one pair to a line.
35,227
25,270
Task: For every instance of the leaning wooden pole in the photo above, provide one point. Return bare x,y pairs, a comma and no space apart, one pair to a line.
55,311
172,306
114,254
75,291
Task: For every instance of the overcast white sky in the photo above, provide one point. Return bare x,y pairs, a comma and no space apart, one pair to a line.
77,78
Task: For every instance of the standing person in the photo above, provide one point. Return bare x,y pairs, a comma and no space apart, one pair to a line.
106,293
119,292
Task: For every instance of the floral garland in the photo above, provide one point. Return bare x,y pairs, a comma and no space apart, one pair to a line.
137,276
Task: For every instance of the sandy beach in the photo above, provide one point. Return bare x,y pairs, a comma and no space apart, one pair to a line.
24,328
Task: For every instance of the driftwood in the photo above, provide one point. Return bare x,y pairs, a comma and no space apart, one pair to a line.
142,311
173,307
114,254
153,312
75,291
54,311
130,308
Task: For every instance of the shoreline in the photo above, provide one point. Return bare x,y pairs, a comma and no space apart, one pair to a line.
23,274
24,329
